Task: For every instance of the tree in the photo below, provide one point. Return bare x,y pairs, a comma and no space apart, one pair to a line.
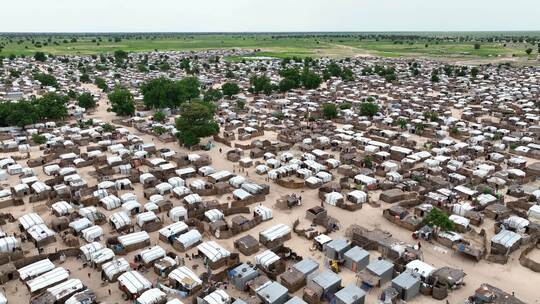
212,95
38,139
159,116
161,92
122,102
368,109
437,218
195,122
332,70
40,56
51,106
330,111
230,88
310,80
190,87
291,79
185,64
86,100
448,70
474,72
292,74
188,138
260,84
120,56
347,74
434,77
477,46
18,114
528,51
47,80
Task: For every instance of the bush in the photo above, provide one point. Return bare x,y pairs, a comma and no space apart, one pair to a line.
100,83
345,106
240,104
85,78
159,116
330,111
39,139
107,127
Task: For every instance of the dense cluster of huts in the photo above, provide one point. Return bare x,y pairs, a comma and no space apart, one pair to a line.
153,220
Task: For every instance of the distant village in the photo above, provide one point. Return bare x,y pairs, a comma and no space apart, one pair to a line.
216,177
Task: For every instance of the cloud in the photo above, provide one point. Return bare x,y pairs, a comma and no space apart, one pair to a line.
267,16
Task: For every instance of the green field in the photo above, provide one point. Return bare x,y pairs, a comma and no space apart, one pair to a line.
338,45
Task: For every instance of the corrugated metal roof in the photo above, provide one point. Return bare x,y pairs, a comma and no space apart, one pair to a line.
379,267
326,279
350,294
406,280
356,254
306,266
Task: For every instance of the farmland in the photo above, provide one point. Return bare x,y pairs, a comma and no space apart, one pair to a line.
444,46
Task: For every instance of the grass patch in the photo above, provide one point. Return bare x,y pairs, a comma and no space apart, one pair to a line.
264,45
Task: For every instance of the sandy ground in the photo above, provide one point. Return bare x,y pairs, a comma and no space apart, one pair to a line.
509,277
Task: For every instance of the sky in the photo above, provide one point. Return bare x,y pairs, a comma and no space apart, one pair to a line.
268,15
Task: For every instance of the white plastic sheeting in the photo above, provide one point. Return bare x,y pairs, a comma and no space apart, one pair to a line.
134,282
213,251
276,232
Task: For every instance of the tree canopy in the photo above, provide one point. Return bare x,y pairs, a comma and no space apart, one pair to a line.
260,84
436,217
165,93
86,100
330,110
212,95
38,139
122,102
230,88
40,56
47,80
195,122
369,109
26,112
120,55
310,80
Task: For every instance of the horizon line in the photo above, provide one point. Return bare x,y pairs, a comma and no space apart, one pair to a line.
273,32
